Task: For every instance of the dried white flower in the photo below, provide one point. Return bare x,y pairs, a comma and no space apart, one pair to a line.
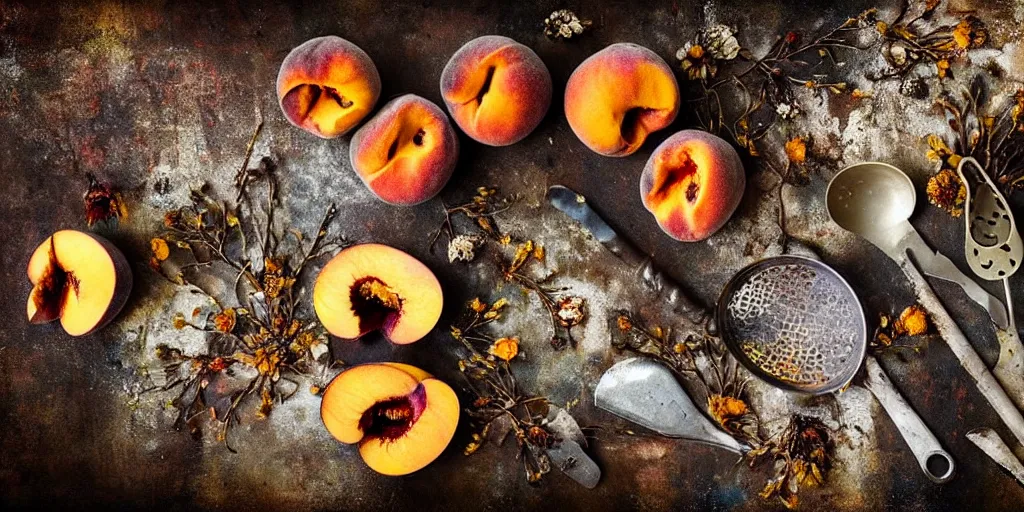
720,42
571,310
463,248
787,111
564,24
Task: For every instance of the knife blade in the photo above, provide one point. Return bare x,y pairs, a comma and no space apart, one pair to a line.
576,207
567,454
989,442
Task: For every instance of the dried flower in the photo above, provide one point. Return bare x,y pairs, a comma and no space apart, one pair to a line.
913,321
225,320
463,248
796,150
178,321
970,33
505,348
564,24
787,111
160,249
477,305
102,203
624,323
724,409
571,311
699,58
946,191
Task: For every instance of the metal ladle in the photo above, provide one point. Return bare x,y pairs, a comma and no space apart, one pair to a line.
875,200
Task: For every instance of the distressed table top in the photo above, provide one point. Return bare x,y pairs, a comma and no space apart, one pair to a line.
158,97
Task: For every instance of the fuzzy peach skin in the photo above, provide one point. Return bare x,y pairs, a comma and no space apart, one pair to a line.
496,89
618,96
401,417
407,152
327,85
369,287
692,183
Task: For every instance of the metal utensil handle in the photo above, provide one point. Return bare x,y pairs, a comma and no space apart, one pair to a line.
654,278
922,442
965,352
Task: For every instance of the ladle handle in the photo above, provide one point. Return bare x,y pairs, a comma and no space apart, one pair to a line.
964,351
936,462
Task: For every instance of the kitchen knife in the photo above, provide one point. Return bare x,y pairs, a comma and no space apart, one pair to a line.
575,206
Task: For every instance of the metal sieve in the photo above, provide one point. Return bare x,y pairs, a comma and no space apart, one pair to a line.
795,323
798,325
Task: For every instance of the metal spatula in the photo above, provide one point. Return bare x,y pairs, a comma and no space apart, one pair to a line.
994,251
647,393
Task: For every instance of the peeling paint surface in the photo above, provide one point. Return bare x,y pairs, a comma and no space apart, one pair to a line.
159,97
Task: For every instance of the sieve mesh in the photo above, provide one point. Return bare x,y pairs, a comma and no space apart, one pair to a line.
795,323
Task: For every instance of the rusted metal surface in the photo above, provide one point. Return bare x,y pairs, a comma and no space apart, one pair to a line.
157,97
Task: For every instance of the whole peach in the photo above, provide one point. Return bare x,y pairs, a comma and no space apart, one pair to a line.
618,96
327,85
407,152
496,89
692,183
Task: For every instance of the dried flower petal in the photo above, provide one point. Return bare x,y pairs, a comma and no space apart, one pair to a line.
723,409
946,191
624,323
160,249
178,321
505,348
913,321
463,248
796,150
571,311
225,320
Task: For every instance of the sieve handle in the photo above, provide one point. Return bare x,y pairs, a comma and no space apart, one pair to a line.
936,462
964,351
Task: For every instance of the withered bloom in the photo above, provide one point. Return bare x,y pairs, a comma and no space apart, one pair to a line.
102,203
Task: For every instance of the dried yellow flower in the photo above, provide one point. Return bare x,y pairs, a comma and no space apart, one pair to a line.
913,321
179,321
225,320
796,150
477,305
160,249
624,323
946,191
505,348
725,408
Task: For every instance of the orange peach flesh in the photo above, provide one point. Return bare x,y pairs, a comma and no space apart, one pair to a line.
77,277
327,85
496,89
430,433
692,184
371,286
618,96
407,152
401,417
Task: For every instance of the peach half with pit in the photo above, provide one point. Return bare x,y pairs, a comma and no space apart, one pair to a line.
80,278
401,417
327,85
407,152
370,287
618,96
496,89
692,183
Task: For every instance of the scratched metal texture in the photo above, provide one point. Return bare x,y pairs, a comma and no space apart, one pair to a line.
148,93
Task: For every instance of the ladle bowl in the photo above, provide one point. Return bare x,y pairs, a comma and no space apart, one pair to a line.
874,200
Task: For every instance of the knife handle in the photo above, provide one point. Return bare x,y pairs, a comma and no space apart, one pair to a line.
653,278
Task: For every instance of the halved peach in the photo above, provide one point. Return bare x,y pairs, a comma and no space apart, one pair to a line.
406,153
80,278
401,417
371,287
618,96
327,85
692,183
496,89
